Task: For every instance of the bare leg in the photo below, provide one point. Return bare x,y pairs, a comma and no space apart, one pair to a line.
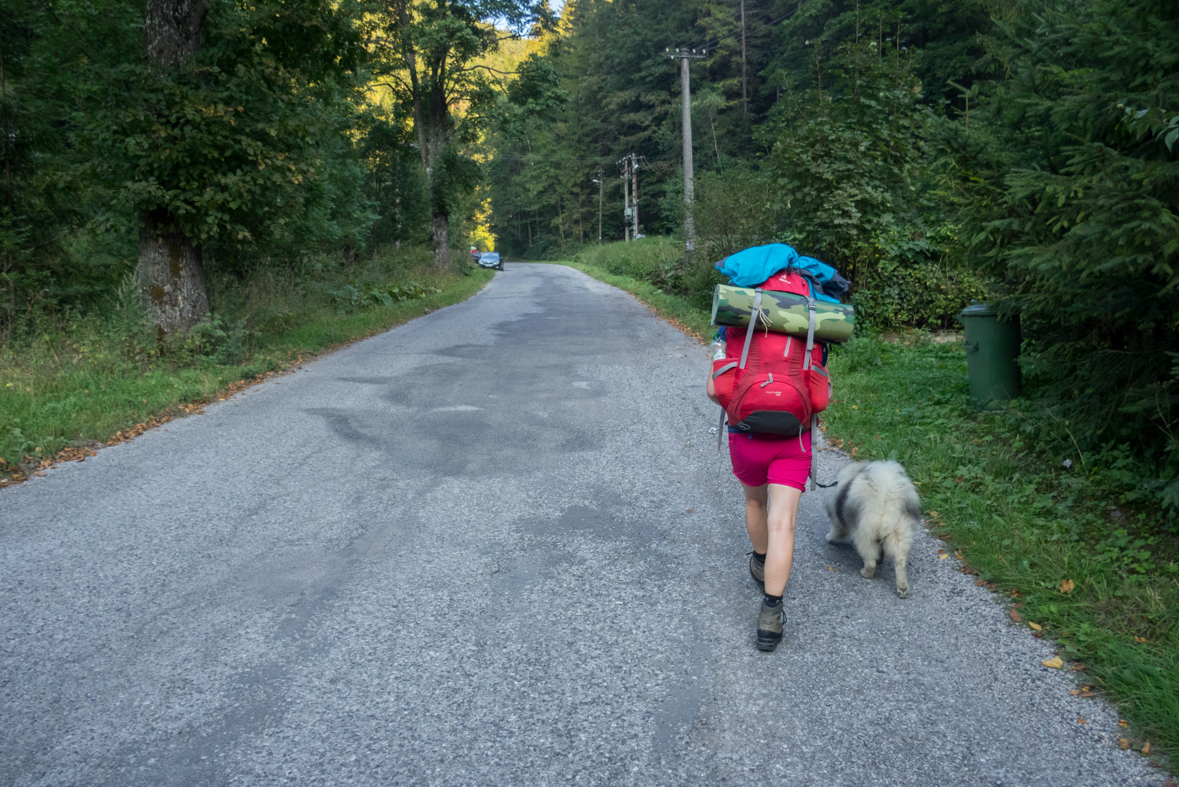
755,517
770,514
783,512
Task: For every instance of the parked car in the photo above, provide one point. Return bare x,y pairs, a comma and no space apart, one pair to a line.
491,259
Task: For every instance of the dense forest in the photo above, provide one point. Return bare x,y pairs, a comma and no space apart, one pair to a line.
1018,150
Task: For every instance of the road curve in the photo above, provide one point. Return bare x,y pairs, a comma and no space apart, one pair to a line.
495,546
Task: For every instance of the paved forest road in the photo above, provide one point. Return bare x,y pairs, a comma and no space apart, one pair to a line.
496,546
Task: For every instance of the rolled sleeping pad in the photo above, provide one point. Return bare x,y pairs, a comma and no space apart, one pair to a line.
783,312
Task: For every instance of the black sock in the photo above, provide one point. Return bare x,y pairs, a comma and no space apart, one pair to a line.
759,557
773,601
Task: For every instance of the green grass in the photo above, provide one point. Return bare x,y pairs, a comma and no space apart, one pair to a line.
1022,522
73,379
1025,522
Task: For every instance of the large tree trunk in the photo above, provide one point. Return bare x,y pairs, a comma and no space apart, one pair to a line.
170,273
441,240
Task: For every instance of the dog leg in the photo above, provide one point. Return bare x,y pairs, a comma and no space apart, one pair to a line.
869,569
902,577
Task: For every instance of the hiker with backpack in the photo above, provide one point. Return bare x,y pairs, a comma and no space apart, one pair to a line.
770,377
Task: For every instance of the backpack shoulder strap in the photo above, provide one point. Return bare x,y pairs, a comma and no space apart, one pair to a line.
754,315
810,335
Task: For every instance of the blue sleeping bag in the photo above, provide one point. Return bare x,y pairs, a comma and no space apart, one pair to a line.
755,265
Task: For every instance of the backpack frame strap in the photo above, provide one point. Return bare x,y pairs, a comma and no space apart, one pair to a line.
754,314
810,335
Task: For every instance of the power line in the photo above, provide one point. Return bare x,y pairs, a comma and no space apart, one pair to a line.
767,25
684,45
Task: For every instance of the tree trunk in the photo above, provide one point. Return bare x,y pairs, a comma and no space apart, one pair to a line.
441,240
170,275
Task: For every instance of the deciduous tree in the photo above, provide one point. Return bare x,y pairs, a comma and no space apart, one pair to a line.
428,52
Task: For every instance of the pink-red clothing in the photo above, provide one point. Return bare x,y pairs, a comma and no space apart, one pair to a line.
765,458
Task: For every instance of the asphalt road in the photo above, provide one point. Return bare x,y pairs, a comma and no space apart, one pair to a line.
495,546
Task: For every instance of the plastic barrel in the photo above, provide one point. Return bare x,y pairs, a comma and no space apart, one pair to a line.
992,347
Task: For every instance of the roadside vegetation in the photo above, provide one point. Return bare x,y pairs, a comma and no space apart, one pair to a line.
1081,550
72,379
1074,540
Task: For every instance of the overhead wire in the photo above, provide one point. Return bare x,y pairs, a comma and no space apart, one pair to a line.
712,44
681,45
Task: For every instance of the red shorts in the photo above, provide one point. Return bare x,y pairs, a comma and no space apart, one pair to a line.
761,459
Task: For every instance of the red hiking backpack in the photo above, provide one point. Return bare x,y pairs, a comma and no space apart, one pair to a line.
773,383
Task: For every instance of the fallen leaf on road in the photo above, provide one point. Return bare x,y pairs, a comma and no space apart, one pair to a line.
1015,616
1074,692
942,556
1146,748
39,472
1081,721
1123,743
1121,722
1078,667
1088,695
830,568
1056,662
1036,626
1066,586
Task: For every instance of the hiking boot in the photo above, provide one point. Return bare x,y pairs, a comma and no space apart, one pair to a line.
757,570
769,626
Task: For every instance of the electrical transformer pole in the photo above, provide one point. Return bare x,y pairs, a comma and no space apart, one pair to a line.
599,181
626,203
629,164
634,200
684,55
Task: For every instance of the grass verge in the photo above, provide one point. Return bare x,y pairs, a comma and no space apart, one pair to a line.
73,382
1096,576
1099,578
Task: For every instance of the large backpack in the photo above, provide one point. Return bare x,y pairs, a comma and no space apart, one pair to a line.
773,383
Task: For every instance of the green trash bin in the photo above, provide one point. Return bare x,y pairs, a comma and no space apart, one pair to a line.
992,345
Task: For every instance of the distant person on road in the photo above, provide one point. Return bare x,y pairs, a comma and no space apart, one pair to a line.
773,471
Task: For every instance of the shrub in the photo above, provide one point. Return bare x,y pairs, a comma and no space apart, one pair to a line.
915,280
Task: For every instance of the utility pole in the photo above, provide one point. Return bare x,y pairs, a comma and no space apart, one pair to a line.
634,200
744,93
630,164
684,55
599,182
626,205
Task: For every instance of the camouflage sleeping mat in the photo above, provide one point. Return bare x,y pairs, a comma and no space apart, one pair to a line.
782,312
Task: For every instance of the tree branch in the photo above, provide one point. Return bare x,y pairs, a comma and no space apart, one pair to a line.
489,68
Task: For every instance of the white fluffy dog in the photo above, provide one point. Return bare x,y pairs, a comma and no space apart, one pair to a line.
876,506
